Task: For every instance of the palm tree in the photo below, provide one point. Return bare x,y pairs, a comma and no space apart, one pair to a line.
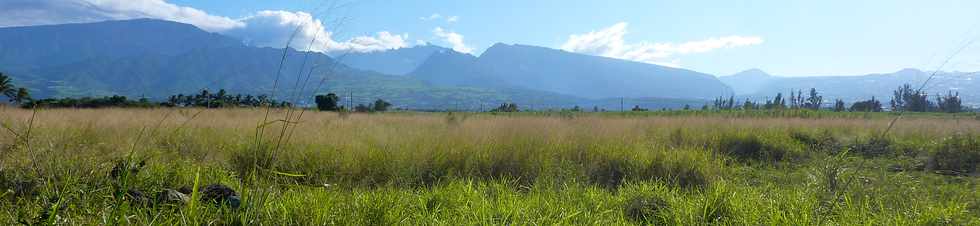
6,86
21,96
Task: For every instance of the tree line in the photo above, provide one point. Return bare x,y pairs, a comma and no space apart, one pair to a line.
905,99
222,99
330,102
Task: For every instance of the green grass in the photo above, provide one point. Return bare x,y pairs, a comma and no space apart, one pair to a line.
521,168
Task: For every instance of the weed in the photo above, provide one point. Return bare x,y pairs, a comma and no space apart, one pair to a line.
646,209
959,154
714,206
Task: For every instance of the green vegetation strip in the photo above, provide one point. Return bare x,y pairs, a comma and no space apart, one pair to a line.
502,168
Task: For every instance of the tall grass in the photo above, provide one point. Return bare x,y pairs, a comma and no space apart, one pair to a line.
428,168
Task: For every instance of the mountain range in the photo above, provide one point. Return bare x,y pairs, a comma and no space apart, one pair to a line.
757,84
157,58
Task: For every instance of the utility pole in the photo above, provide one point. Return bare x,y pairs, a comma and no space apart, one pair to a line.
622,102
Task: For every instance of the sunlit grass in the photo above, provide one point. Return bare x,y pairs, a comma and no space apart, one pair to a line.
525,168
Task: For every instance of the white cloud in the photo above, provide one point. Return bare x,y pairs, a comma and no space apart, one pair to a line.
454,39
42,12
434,16
264,28
274,29
609,42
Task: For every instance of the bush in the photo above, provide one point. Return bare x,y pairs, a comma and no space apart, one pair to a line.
873,147
751,148
687,169
610,173
959,153
823,142
683,168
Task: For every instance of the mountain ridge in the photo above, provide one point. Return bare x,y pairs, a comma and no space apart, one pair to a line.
852,88
587,76
181,58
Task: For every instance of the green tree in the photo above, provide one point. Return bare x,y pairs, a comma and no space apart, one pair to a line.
21,96
776,103
7,87
362,108
327,102
872,105
839,106
381,105
907,99
950,103
506,107
749,105
814,101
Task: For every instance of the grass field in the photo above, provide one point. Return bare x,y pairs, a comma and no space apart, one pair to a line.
464,169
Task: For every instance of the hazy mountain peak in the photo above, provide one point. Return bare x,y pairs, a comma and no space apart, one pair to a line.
909,71
393,62
553,70
748,81
498,45
44,46
754,72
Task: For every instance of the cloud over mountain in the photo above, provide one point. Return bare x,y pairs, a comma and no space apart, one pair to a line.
610,42
43,12
453,38
276,28
264,28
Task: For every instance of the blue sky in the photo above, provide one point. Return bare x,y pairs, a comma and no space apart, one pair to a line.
792,38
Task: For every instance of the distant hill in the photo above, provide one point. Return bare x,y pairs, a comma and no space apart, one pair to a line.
451,68
155,59
748,81
568,73
35,47
393,62
758,84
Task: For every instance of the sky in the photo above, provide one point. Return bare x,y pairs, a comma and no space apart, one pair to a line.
782,37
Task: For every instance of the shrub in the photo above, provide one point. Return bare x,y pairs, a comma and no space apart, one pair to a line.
687,168
824,142
751,147
958,153
610,173
510,164
683,168
874,146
